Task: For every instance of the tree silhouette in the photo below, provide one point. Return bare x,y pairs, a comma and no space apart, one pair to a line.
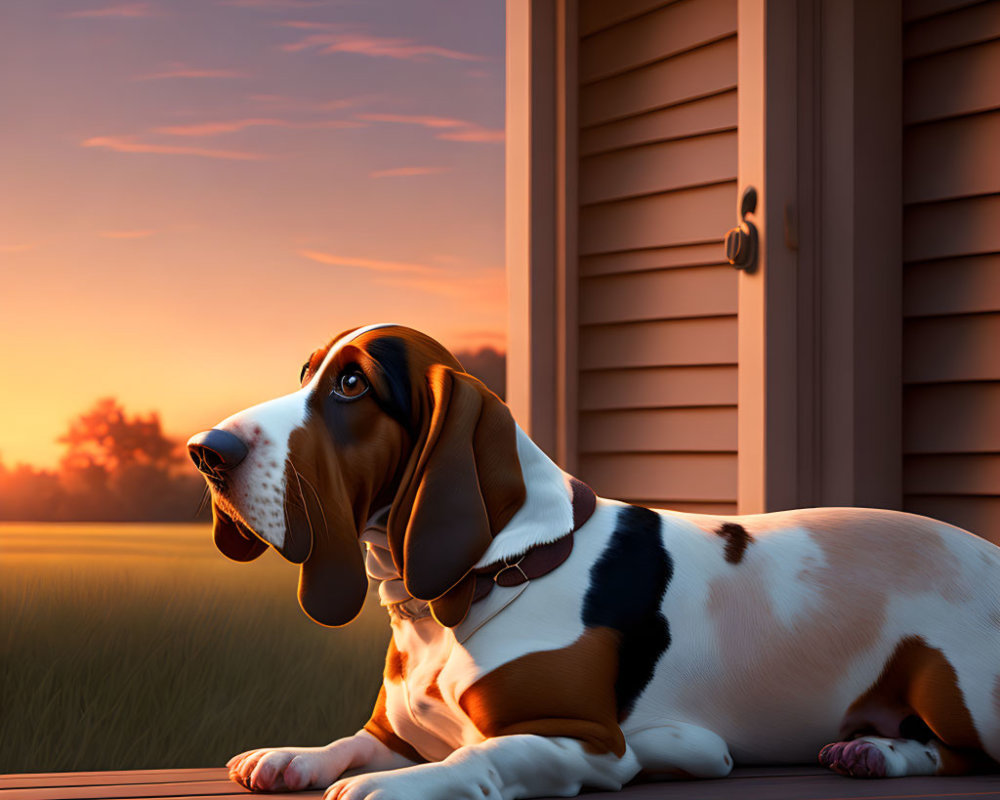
122,467
117,467
105,437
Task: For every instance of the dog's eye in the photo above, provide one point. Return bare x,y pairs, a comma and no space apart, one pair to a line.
351,385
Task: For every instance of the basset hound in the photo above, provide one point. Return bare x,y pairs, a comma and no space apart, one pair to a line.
545,640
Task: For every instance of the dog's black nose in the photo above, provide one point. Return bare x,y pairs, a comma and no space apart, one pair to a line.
216,451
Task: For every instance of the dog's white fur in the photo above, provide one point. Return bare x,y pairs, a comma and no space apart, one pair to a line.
758,669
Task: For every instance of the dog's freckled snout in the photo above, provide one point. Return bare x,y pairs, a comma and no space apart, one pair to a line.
216,451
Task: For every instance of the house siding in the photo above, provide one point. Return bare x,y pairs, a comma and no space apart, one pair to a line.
951,250
657,304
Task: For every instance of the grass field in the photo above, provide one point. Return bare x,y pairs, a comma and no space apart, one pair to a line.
129,646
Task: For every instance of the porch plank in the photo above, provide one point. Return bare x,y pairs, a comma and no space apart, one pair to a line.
774,783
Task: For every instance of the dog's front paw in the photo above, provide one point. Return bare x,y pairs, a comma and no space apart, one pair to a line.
426,782
289,769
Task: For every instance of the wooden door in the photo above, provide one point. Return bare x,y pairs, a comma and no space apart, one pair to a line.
656,370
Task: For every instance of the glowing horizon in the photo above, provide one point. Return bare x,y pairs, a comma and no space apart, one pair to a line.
202,192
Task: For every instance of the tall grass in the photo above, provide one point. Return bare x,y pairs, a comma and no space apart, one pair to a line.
139,646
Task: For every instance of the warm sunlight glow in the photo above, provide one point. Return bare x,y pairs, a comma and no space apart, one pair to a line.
204,192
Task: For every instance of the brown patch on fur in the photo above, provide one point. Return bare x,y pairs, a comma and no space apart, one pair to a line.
433,690
461,486
395,663
917,679
450,471
868,556
380,727
565,692
737,541
963,762
340,484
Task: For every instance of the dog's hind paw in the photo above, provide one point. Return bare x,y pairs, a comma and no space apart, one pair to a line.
858,759
877,757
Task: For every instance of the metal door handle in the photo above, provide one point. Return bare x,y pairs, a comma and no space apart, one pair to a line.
741,241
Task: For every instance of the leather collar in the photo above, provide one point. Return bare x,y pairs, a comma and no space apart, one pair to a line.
453,606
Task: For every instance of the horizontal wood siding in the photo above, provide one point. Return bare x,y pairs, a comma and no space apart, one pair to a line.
660,294
952,83
951,247
657,301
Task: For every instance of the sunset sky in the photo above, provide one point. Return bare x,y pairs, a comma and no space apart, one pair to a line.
198,192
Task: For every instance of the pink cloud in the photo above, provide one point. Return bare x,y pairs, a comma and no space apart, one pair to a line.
182,71
376,46
404,172
126,234
474,133
122,11
455,130
371,264
129,144
483,291
306,25
416,119
274,5
277,102
233,126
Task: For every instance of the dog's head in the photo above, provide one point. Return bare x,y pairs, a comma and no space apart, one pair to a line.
384,415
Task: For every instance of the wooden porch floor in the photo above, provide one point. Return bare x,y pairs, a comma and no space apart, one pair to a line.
775,783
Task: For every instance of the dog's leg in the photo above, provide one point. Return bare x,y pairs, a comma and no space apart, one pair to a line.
878,757
681,750
507,767
289,769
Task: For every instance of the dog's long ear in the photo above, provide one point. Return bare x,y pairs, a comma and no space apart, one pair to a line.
323,538
461,486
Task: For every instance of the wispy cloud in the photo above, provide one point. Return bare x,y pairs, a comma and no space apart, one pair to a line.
235,125
484,288
274,5
121,11
370,264
405,172
139,234
277,102
307,25
482,291
455,130
130,144
416,119
184,71
375,46
474,133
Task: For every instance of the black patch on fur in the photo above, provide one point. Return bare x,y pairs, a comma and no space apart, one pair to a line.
390,354
627,584
737,541
912,727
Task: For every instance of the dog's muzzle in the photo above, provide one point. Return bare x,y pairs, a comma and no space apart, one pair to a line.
215,452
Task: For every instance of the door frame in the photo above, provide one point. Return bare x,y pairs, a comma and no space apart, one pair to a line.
541,227
820,320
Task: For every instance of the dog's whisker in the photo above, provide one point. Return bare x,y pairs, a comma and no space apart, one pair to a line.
315,493
305,505
203,503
